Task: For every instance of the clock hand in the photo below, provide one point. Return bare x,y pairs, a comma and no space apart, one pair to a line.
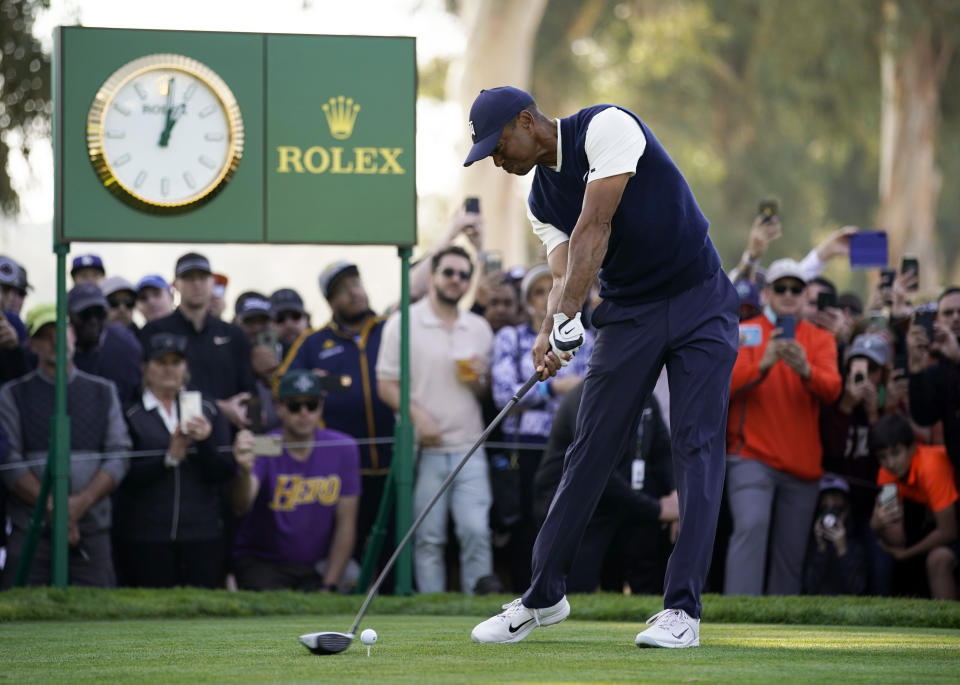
169,120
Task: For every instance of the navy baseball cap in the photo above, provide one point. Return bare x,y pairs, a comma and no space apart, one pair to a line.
192,262
251,304
153,281
8,271
87,261
491,111
162,344
748,291
84,296
286,300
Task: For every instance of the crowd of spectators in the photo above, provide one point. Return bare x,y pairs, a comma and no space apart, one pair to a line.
254,453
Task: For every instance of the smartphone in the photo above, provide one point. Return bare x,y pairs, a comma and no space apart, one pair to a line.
268,445
868,250
492,261
825,300
472,204
751,335
267,337
910,265
787,325
191,405
858,370
925,318
255,414
879,320
888,493
887,276
768,209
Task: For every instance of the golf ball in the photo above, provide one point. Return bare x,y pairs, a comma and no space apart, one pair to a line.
369,636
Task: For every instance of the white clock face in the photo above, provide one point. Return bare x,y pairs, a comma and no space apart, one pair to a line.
166,136
165,132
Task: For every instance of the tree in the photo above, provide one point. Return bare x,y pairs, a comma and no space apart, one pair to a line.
24,89
916,50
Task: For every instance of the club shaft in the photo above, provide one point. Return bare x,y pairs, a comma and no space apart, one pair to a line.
524,389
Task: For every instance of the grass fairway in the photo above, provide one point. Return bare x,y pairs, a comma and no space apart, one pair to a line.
437,649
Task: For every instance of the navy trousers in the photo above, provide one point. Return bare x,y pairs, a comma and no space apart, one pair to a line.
695,334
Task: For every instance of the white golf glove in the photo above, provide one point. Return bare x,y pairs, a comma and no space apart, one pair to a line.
567,336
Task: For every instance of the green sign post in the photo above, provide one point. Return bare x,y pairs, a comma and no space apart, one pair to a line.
176,136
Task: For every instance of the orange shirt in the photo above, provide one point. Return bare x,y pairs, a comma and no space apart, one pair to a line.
775,417
929,480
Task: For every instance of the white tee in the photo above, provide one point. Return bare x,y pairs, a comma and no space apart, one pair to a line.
614,144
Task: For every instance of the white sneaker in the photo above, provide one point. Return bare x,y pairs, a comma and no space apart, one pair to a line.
671,628
516,621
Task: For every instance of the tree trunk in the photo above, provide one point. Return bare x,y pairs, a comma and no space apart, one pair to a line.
499,52
912,65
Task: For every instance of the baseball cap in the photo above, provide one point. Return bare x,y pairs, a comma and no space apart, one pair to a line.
532,276
785,268
40,316
114,284
83,296
299,383
490,112
850,301
192,261
251,304
21,282
873,347
153,281
748,291
87,261
220,284
161,344
8,271
830,481
334,271
286,300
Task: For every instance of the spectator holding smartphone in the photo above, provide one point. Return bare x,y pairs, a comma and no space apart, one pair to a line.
772,439
836,563
933,360
923,474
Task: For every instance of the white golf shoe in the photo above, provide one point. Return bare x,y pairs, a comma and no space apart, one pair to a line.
516,621
671,628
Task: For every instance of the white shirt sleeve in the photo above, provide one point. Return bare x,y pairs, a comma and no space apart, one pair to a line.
811,266
614,144
549,235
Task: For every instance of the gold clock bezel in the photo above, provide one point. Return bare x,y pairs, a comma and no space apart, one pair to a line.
104,98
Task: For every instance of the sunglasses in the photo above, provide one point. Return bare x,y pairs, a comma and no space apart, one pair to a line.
115,302
450,273
294,406
780,289
293,316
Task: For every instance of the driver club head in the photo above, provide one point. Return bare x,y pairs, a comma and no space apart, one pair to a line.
326,642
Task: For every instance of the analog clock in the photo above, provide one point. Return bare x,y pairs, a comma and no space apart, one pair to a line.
164,133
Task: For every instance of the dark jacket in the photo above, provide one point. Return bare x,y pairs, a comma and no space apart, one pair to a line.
827,574
218,356
935,396
358,411
157,503
118,358
619,498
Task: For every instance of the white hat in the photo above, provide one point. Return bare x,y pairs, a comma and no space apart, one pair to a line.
534,274
785,268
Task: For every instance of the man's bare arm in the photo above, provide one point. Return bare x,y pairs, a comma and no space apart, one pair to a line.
588,242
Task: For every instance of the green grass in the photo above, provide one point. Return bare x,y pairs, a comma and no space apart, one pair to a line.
32,604
437,649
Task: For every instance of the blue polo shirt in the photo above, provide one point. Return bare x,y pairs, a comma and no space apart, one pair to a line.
658,245
359,411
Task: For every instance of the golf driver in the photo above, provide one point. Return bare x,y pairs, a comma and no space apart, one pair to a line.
329,642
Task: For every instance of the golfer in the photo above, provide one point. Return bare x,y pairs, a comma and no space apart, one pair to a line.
606,197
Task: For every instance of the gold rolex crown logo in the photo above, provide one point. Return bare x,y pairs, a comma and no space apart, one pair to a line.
341,113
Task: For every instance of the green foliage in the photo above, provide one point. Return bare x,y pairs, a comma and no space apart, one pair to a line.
24,88
752,99
33,604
